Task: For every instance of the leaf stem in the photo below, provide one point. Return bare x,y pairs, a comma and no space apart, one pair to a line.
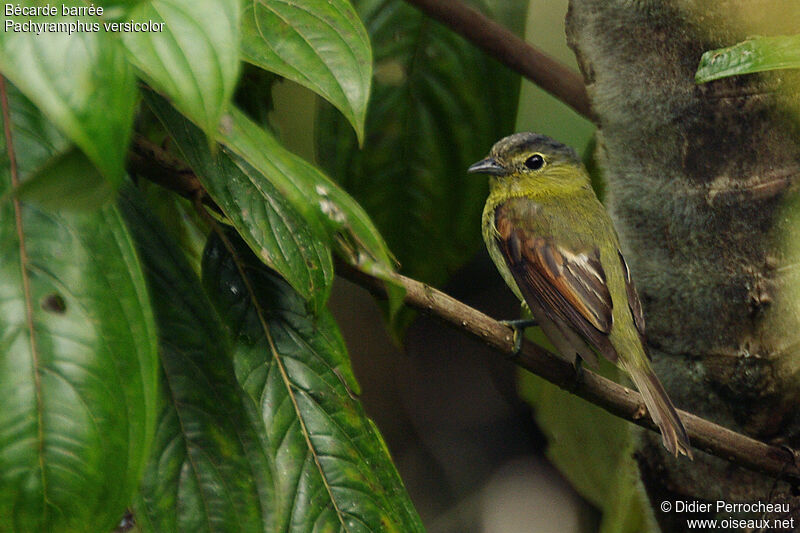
26,283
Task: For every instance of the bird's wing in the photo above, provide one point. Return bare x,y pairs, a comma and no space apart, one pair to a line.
634,303
570,287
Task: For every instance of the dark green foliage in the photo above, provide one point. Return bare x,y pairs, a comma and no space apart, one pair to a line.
205,470
438,105
271,226
327,462
253,423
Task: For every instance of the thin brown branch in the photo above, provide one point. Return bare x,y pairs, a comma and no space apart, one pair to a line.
159,166
614,398
506,47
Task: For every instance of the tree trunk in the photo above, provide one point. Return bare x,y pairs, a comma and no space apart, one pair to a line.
702,187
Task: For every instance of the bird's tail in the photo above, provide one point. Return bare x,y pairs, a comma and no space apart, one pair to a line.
661,410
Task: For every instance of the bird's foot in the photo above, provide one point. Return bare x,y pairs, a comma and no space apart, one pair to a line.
518,326
578,377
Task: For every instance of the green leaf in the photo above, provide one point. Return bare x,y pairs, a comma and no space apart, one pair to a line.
332,471
78,357
321,45
179,219
626,507
438,105
283,239
207,469
753,55
67,181
82,82
194,60
312,193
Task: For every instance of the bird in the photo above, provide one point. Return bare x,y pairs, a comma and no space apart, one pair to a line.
556,248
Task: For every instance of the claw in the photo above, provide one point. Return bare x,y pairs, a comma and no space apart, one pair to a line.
519,327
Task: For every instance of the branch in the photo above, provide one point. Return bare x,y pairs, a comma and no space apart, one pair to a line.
506,47
159,166
614,398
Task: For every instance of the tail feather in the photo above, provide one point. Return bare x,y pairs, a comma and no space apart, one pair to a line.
662,411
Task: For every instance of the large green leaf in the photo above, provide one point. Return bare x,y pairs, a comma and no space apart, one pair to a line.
66,178
207,468
83,83
194,60
271,226
754,55
331,467
438,105
78,359
69,181
321,45
332,210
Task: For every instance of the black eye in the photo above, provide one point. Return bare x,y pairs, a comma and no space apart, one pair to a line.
534,162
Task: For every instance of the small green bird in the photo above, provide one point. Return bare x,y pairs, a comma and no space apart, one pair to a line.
555,246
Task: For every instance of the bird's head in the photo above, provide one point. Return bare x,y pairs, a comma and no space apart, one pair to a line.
532,159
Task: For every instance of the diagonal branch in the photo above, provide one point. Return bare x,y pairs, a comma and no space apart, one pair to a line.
506,47
614,398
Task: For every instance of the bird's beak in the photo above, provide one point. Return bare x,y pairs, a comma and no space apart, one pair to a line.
487,166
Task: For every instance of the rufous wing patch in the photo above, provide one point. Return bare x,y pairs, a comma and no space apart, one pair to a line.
568,286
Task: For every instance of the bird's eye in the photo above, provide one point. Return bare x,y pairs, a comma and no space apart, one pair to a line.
535,162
